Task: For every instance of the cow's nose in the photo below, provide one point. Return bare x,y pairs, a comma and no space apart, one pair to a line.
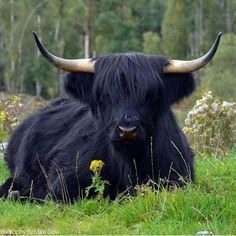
127,133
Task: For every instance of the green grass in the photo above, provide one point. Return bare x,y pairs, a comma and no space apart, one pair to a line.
210,204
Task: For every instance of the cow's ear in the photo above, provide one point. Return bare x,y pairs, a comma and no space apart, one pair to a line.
79,85
177,86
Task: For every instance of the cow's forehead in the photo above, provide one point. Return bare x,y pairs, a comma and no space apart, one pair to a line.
130,76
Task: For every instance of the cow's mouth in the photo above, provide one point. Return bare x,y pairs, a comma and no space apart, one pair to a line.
128,145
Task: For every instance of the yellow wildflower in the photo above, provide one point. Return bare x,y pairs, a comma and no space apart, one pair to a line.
188,129
96,165
2,117
15,99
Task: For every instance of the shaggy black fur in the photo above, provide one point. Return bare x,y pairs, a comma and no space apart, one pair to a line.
49,154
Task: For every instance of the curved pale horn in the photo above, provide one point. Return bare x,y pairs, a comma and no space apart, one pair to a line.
178,66
77,65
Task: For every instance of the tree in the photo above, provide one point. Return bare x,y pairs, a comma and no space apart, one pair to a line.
176,29
152,43
220,76
179,29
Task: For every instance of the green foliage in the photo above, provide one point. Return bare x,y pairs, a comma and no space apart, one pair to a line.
121,25
174,32
211,125
178,29
9,116
152,43
209,204
20,72
220,76
4,173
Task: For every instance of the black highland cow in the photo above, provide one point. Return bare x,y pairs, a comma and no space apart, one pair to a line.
119,112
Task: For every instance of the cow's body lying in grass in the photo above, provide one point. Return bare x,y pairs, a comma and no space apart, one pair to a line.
119,113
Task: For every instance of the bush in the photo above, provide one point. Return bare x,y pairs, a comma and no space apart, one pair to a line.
210,125
152,43
9,116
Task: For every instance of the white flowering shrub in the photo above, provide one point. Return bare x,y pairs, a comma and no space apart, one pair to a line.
210,125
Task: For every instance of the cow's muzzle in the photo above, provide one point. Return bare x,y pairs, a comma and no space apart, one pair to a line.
127,133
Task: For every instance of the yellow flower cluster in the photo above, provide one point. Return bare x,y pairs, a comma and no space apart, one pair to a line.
188,129
2,117
96,165
15,99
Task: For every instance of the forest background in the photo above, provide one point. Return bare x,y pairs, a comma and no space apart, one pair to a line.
178,29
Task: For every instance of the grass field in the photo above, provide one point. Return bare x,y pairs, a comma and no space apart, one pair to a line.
210,205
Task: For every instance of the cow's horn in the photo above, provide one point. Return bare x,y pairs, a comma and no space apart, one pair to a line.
178,66
83,65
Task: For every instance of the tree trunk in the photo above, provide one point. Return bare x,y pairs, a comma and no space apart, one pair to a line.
86,46
88,38
12,61
229,16
198,28
38,88
38,85
20,45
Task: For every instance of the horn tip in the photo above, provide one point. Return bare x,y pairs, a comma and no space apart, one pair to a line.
219,34
218,38
35,35
43,51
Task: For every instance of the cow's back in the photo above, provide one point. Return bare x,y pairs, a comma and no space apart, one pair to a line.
54,135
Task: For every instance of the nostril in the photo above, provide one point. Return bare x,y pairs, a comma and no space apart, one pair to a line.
128,130
127,133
